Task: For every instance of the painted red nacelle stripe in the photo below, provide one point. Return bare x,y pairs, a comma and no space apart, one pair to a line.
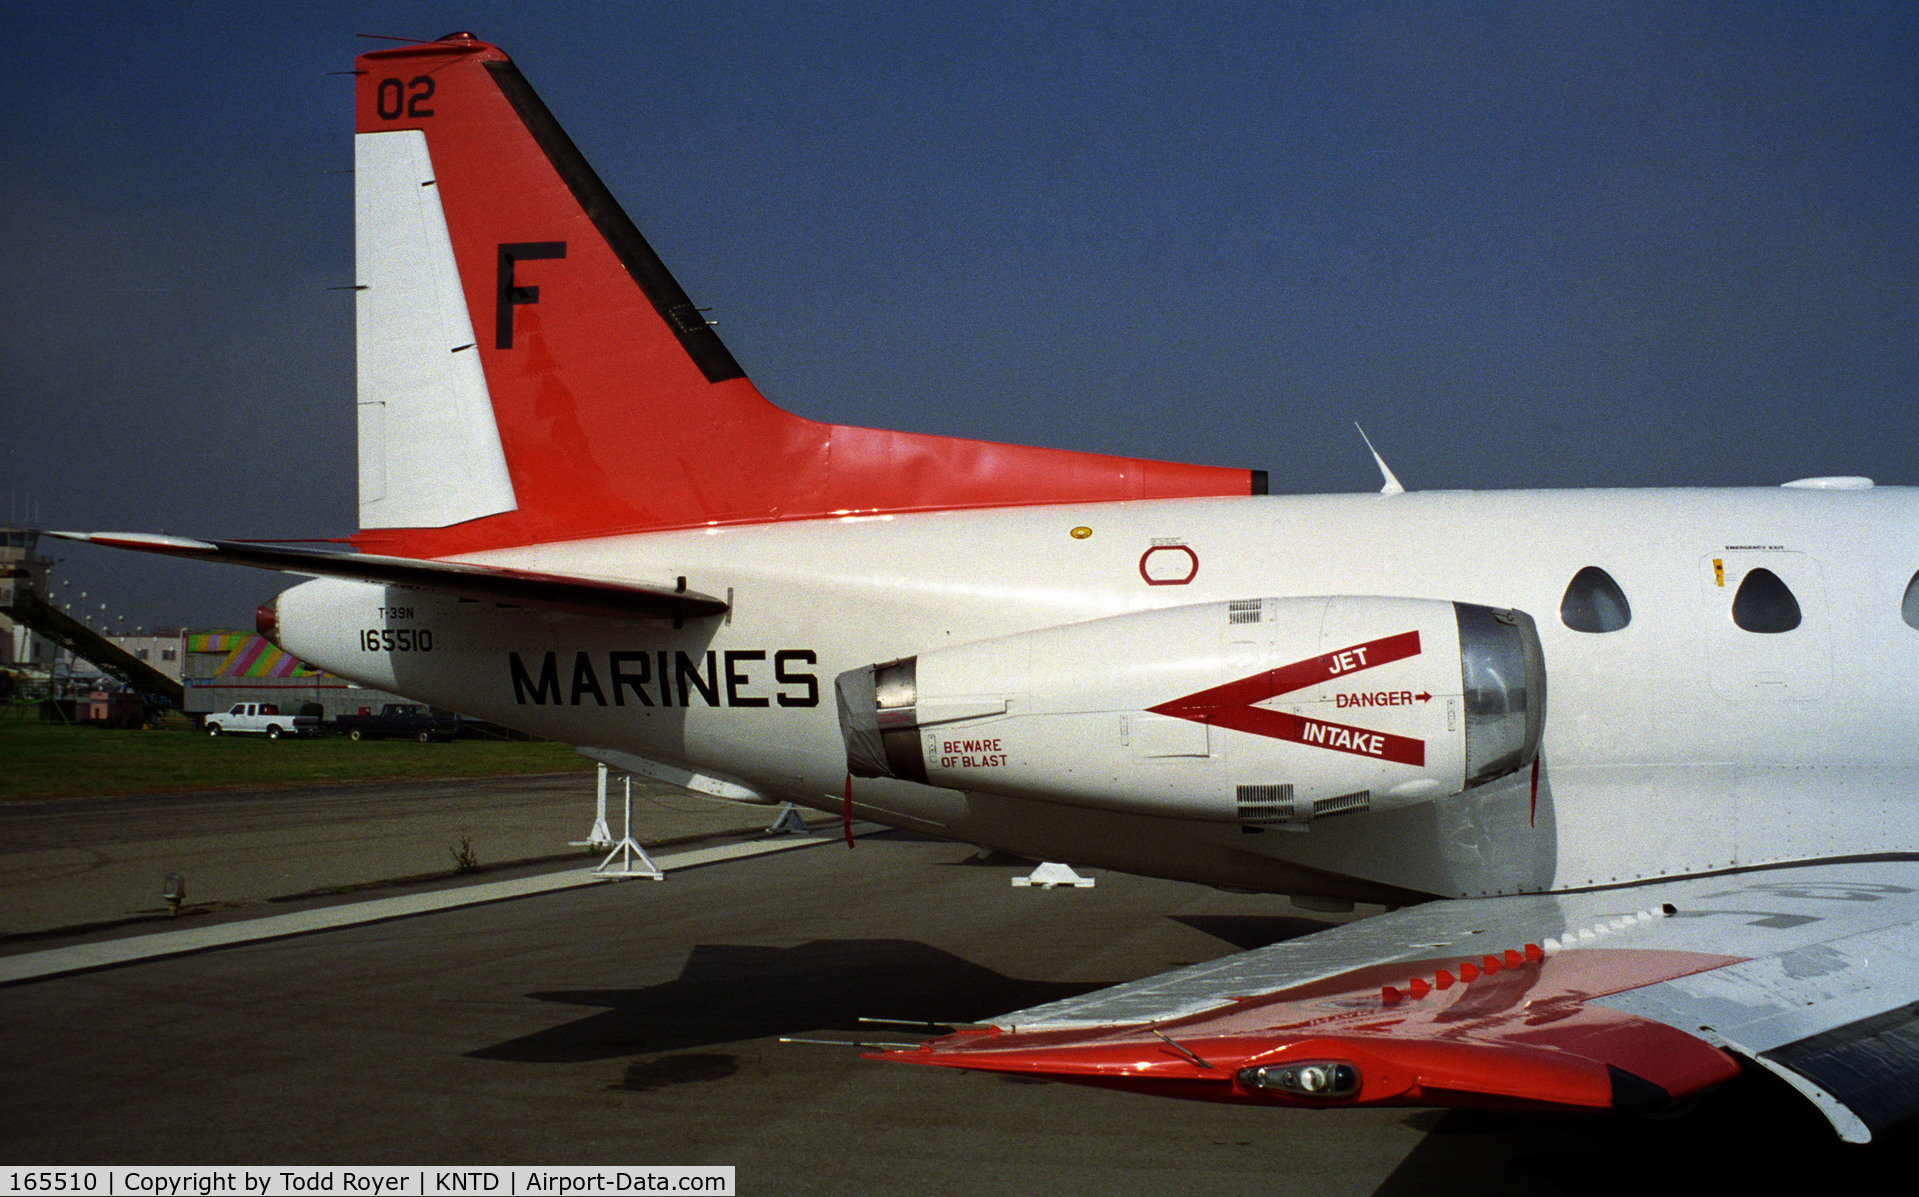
608,423
1524,1035
1318,733
1271,683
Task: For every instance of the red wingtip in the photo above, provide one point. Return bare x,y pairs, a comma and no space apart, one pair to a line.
1415,1054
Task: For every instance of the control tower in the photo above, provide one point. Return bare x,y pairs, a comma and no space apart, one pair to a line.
23,578
33,627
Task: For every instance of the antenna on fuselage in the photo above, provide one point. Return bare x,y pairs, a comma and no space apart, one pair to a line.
1392,486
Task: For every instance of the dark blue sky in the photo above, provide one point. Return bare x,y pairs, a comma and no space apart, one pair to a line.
1526,245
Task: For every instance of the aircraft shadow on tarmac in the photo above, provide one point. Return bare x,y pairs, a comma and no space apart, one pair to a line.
727,993
1752,1135
1249,931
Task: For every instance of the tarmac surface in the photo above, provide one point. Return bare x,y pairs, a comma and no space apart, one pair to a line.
640,1022
81,861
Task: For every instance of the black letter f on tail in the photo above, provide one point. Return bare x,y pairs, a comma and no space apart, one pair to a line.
507,294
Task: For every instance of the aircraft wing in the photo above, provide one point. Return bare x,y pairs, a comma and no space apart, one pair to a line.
523,588
1630,998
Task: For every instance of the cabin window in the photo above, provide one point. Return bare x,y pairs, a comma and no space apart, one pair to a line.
1594,603
1910,606
1765,604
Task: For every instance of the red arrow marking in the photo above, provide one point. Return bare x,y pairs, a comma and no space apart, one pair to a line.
1233,704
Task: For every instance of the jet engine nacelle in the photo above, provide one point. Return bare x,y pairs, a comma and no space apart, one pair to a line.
1252,711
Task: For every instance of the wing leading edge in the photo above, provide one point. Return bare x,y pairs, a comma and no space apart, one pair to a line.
525,588
1618,999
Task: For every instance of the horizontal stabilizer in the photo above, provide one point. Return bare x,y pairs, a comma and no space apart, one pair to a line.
522,588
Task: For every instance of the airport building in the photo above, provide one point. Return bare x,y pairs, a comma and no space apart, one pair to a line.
23,575
158,647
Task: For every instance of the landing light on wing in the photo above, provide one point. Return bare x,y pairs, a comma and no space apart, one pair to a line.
1307,1078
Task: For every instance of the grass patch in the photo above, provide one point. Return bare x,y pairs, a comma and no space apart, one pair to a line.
46,760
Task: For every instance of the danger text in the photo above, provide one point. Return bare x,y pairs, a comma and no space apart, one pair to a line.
1379,698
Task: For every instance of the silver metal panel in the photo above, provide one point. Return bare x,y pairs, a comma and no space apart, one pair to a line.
1807,920
1771,1001
1467,928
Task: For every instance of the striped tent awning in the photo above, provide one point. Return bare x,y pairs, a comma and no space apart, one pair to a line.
248,655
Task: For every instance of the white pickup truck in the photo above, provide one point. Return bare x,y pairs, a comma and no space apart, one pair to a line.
256,717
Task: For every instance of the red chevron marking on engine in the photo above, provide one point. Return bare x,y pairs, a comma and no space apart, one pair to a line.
1234,704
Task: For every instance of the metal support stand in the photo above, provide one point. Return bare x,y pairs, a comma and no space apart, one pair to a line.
789,822
601,836
628,851
1051,874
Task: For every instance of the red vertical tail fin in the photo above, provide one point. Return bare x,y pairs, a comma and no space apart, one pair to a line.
530,371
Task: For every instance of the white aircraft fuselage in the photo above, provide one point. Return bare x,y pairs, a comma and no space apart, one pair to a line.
1677,744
